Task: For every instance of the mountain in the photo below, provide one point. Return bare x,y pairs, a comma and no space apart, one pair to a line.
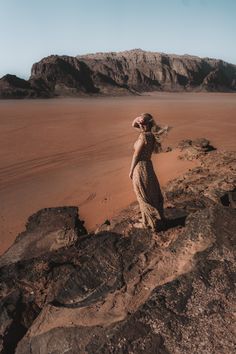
12,86
124,289
145,71
119,73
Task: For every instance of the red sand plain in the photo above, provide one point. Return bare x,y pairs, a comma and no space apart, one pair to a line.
78,152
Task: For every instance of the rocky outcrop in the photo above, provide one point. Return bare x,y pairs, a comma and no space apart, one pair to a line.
64,75
70,76
134,71
12,86
193,149
119,73
47,230
146,71
123,289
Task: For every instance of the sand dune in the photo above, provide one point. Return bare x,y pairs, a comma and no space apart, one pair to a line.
78,151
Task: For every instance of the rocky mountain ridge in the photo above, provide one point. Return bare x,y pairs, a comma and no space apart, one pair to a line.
127,290
121,73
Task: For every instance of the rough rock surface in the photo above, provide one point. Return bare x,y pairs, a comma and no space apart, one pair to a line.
70,76
193,149
127,290
145,71
127,72
134,71
12,86
47,230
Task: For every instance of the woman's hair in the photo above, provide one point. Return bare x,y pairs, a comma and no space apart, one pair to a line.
155,128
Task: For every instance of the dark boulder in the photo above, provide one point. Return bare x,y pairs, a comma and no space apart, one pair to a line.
47,230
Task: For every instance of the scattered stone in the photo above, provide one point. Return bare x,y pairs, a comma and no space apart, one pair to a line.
194,149
186,143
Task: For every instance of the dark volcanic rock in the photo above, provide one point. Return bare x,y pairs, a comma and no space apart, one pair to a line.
161,301
127,290
189,314
16,316
47,230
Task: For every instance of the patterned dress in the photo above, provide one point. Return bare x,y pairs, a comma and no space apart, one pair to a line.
146,185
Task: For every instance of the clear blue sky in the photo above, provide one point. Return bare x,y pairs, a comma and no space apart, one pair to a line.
32,29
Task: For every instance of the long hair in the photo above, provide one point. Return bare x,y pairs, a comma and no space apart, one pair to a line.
155,129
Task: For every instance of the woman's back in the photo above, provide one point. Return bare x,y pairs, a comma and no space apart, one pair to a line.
147,149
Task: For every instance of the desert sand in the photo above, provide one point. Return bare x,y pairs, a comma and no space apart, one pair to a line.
78,151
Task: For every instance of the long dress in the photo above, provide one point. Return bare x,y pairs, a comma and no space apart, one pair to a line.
146,185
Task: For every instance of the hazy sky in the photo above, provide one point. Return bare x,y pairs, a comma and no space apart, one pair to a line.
32,29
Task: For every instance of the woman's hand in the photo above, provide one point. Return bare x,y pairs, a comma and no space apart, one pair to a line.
131,174
137,122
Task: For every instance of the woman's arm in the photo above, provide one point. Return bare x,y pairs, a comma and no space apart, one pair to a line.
162,130
136,155
136,126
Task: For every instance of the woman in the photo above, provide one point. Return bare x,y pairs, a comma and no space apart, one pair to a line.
145,182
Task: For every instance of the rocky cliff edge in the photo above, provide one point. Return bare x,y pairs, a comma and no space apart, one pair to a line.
123,289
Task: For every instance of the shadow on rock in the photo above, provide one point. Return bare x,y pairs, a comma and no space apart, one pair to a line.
174,218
